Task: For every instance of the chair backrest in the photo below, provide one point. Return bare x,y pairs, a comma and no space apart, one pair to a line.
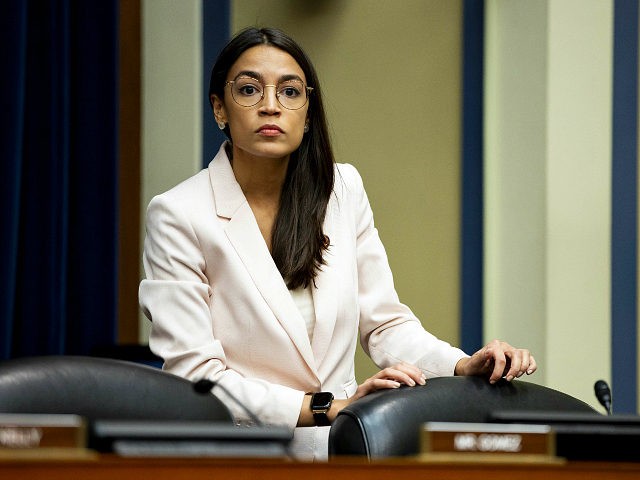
101,388
388,422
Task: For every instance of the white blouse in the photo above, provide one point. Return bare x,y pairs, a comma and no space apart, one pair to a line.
304,301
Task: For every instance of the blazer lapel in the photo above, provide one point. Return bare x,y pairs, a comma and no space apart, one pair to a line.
244,234
325,295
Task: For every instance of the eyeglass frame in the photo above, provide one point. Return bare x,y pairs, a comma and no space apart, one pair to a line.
307,88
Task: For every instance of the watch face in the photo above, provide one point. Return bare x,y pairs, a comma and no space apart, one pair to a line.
321,400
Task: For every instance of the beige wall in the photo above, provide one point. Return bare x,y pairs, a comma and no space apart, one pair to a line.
171,105
548,175
390,75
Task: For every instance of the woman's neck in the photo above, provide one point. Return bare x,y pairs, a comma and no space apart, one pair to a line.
259,177
261,180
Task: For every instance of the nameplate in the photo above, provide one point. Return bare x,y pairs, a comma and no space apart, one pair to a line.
487,439
28,431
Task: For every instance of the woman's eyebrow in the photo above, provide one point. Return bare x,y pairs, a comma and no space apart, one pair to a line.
258,76
290,76
248,73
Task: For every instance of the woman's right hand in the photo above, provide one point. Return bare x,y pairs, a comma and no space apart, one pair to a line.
390,377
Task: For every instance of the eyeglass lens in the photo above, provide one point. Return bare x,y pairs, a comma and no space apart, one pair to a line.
247,91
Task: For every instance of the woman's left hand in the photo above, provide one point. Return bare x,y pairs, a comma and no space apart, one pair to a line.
497,360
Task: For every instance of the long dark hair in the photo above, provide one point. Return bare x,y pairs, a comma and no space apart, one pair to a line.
298,242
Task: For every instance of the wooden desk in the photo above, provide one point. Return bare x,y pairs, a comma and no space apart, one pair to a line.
109,467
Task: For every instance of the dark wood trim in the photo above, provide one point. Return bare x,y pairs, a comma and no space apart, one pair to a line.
129,171
108,467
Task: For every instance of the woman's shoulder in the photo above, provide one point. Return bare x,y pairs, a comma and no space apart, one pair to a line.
196,188
347,179
191,189
346,169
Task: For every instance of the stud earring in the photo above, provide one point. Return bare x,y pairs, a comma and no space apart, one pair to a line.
306,127
221,125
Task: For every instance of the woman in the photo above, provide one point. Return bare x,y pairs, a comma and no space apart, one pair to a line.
263,269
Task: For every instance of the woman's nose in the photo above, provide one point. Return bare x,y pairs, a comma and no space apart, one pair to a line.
270,100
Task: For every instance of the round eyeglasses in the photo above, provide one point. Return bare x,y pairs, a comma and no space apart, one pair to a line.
291,94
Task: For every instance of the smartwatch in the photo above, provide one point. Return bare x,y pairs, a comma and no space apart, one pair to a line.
320,405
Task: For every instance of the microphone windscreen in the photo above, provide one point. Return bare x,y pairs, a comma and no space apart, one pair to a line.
601,388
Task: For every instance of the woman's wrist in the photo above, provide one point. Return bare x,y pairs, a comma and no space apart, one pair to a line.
458,370
337,405
306,417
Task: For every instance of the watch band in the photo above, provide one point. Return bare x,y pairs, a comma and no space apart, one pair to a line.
320,406
321,419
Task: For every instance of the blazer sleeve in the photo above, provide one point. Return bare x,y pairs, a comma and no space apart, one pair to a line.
175,296
389,331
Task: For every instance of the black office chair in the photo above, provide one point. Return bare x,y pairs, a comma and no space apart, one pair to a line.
101,388
387,423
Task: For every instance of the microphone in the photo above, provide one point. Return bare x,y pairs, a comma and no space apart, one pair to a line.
204,386
603,394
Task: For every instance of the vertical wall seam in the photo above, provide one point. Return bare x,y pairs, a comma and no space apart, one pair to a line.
472,232
624,207
216,28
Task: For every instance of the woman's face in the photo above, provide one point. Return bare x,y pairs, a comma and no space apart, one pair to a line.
266,129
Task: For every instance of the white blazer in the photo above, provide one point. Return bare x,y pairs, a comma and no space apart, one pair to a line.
221,310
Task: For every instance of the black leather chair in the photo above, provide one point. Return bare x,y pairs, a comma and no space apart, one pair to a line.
388,422
101,388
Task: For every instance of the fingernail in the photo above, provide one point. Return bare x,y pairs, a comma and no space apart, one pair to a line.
411,382
529,372
509,378
396,385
